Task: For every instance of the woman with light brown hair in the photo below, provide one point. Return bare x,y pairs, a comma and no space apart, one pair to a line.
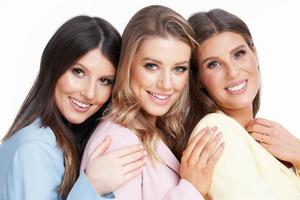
228,73
150,105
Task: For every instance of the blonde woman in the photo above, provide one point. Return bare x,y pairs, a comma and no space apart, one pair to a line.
149,106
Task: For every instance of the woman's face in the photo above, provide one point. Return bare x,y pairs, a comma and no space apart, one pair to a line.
228,70
159,73
83,89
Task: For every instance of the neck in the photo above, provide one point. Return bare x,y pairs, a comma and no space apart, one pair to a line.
150,118
243,116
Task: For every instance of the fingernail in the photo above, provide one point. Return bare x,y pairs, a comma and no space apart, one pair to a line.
141,146
203,130
219,135
214,128
222,145
145,153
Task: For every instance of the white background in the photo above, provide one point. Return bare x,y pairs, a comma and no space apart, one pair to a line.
26,26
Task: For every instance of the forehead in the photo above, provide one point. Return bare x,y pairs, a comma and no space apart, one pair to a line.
164,48
220,43
97,63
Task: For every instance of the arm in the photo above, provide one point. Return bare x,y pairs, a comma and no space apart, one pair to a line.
197,164
236,175
128,187
36,172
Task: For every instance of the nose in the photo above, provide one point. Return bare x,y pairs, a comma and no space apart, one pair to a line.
165,80
232,70
89,89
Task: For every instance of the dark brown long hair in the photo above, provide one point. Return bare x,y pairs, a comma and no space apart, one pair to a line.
70,42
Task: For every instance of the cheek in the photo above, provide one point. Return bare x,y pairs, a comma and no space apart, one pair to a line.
253,69
209,80
141,80
103,95
67,84
181,82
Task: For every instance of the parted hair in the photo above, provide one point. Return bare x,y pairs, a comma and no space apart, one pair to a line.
208,24
70,42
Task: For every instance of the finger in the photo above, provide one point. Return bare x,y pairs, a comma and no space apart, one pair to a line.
210,148
133,166
215,156
264,122
128,150
265,145
191,145
101,148
132,174
257,128
261,138
194,157
132,157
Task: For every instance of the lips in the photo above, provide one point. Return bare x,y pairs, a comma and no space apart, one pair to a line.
79,105
237,87
161,99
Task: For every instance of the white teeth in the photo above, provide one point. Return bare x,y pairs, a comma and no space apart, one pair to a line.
159,96
237,87
80,104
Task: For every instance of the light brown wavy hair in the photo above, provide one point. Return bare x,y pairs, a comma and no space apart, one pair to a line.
151,21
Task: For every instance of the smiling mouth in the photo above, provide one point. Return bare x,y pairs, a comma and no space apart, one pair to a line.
161,99
237,88
78,105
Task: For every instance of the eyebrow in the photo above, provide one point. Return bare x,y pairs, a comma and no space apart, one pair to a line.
231,52
236,48
159,62
86,69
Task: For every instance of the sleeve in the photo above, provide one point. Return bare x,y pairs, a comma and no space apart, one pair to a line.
121,137
83,189
236,175
184,190
36,173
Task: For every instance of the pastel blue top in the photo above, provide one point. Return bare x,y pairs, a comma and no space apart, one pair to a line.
32,167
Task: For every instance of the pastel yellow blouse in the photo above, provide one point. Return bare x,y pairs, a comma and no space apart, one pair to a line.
246,171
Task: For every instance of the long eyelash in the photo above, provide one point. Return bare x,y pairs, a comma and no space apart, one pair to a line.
241,51
183,68
109,81
212,64
77,71
150,65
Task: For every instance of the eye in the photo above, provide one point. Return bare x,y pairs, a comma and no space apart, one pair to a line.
213,64
78,72
239,53
106,81
181,69
151,66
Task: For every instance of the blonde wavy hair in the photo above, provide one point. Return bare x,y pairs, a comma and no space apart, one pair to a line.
151,21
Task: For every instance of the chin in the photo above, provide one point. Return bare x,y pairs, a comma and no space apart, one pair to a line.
76,120
158,113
